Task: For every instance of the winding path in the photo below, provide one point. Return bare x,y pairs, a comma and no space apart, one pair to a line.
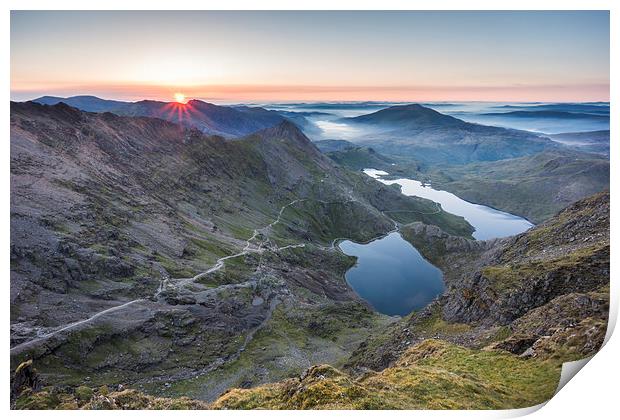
166,282
23,346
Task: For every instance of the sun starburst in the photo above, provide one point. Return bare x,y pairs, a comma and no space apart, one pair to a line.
180,98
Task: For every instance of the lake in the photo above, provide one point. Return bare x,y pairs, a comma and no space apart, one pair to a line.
488,222
391,275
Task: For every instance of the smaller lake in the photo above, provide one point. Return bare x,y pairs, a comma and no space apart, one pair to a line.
488,222
391,275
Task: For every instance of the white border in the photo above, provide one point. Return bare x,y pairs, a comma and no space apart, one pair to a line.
591,395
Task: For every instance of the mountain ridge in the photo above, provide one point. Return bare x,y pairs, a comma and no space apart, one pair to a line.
226,121
433,138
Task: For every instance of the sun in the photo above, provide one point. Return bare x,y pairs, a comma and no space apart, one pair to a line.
180,98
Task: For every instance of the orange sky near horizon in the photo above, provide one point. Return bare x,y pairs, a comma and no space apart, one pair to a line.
267,93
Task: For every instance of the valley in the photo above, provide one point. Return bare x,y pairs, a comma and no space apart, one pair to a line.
187,277
487,222
172,261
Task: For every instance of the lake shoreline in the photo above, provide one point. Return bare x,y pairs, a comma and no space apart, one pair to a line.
488,222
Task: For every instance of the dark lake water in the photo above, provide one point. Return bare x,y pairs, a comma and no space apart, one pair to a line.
391,275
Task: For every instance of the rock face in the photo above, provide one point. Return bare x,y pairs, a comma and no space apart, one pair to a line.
24,378
146,253
567,254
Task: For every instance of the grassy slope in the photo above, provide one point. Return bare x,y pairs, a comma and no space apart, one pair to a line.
535,187
431,375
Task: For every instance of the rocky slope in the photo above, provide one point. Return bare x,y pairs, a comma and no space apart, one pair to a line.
513,312
149,254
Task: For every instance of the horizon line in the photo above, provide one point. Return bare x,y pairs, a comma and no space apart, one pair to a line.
294,101
579,92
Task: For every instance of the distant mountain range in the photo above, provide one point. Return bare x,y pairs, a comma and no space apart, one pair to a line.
83,102
601,108
548,114
225,121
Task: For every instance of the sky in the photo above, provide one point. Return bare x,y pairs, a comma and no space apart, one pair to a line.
312,56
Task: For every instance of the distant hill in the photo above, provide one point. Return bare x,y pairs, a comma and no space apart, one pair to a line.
589,141
548,114
415,131
589,108
333,145
535,186
359,158
83,102
413,115
353,156
209,118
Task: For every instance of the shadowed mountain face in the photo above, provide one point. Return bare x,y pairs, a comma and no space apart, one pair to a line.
208,118
434,138
151,253
83,102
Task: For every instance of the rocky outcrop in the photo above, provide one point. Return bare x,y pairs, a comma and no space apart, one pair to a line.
25,378
567,254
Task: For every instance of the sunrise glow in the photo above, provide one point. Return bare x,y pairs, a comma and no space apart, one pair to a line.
180,98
